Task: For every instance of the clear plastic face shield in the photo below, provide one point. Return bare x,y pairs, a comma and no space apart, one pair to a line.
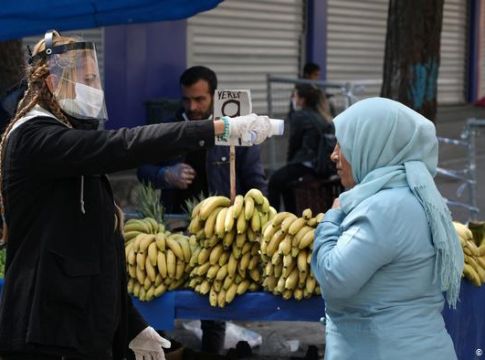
74,78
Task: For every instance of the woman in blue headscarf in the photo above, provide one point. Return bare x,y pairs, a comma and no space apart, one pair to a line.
387,251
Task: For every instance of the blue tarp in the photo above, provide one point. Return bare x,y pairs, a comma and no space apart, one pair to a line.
19,18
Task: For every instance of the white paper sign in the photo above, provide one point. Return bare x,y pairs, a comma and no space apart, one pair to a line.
231,103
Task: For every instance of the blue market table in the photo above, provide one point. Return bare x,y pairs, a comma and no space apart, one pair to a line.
466,324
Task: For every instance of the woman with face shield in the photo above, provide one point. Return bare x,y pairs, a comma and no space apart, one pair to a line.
64,295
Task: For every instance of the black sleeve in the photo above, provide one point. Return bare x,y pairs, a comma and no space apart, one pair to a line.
136,322
53,150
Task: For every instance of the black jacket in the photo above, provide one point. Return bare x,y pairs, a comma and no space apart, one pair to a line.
249,173
65,281
305,128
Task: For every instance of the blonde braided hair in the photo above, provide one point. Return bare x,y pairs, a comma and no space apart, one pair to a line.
37,93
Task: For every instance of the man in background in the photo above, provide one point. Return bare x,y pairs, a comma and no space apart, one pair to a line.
203,172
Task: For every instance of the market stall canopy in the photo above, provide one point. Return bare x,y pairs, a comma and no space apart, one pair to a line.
19,18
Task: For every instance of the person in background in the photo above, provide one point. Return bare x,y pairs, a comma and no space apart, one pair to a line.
307,123
64,294
311,71
387,251
203,171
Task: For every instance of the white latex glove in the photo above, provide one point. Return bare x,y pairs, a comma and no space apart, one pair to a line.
179,175
252,128
147,345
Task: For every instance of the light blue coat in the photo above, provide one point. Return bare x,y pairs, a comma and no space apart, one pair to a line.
375,268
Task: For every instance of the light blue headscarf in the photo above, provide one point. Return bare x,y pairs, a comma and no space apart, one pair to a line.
390,145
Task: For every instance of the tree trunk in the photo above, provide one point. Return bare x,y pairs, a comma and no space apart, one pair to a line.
412,54
11,64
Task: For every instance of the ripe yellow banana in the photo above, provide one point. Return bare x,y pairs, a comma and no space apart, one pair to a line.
150,270
242,287
136,225
246,248
203,269
204,287
240,240
140,275
130,235
228,239
140,260
175,247
298,294
215,254
302,279
300,234
229,220
179,269
319,217
274,242
255,275
223,258
145,241
255,221
248,207
160,241
301,261
238,205
231,266
221,217
231,292
307,214
203,256
284,247
159,290
152,253
171,263
244,263
194,258
211,203
217,285
287,221
195,225
132,271
310,284
265,206
228,281
131,257
210,223
307,240
221,298
221,273
184,244
213,297
296,225
257,196
241,223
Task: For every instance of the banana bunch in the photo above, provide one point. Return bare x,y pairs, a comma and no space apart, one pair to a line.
474,269
217,271
228,262
157,262
286,251
134,227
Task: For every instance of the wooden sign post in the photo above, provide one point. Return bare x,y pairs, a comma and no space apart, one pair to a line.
232,103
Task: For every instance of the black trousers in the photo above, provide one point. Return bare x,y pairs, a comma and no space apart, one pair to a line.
280,185
213,336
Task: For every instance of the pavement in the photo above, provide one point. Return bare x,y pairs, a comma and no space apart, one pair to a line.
280,338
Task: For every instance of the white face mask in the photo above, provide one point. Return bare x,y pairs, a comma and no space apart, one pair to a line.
296,107
88,103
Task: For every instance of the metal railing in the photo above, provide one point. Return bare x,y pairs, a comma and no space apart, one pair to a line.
468,174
